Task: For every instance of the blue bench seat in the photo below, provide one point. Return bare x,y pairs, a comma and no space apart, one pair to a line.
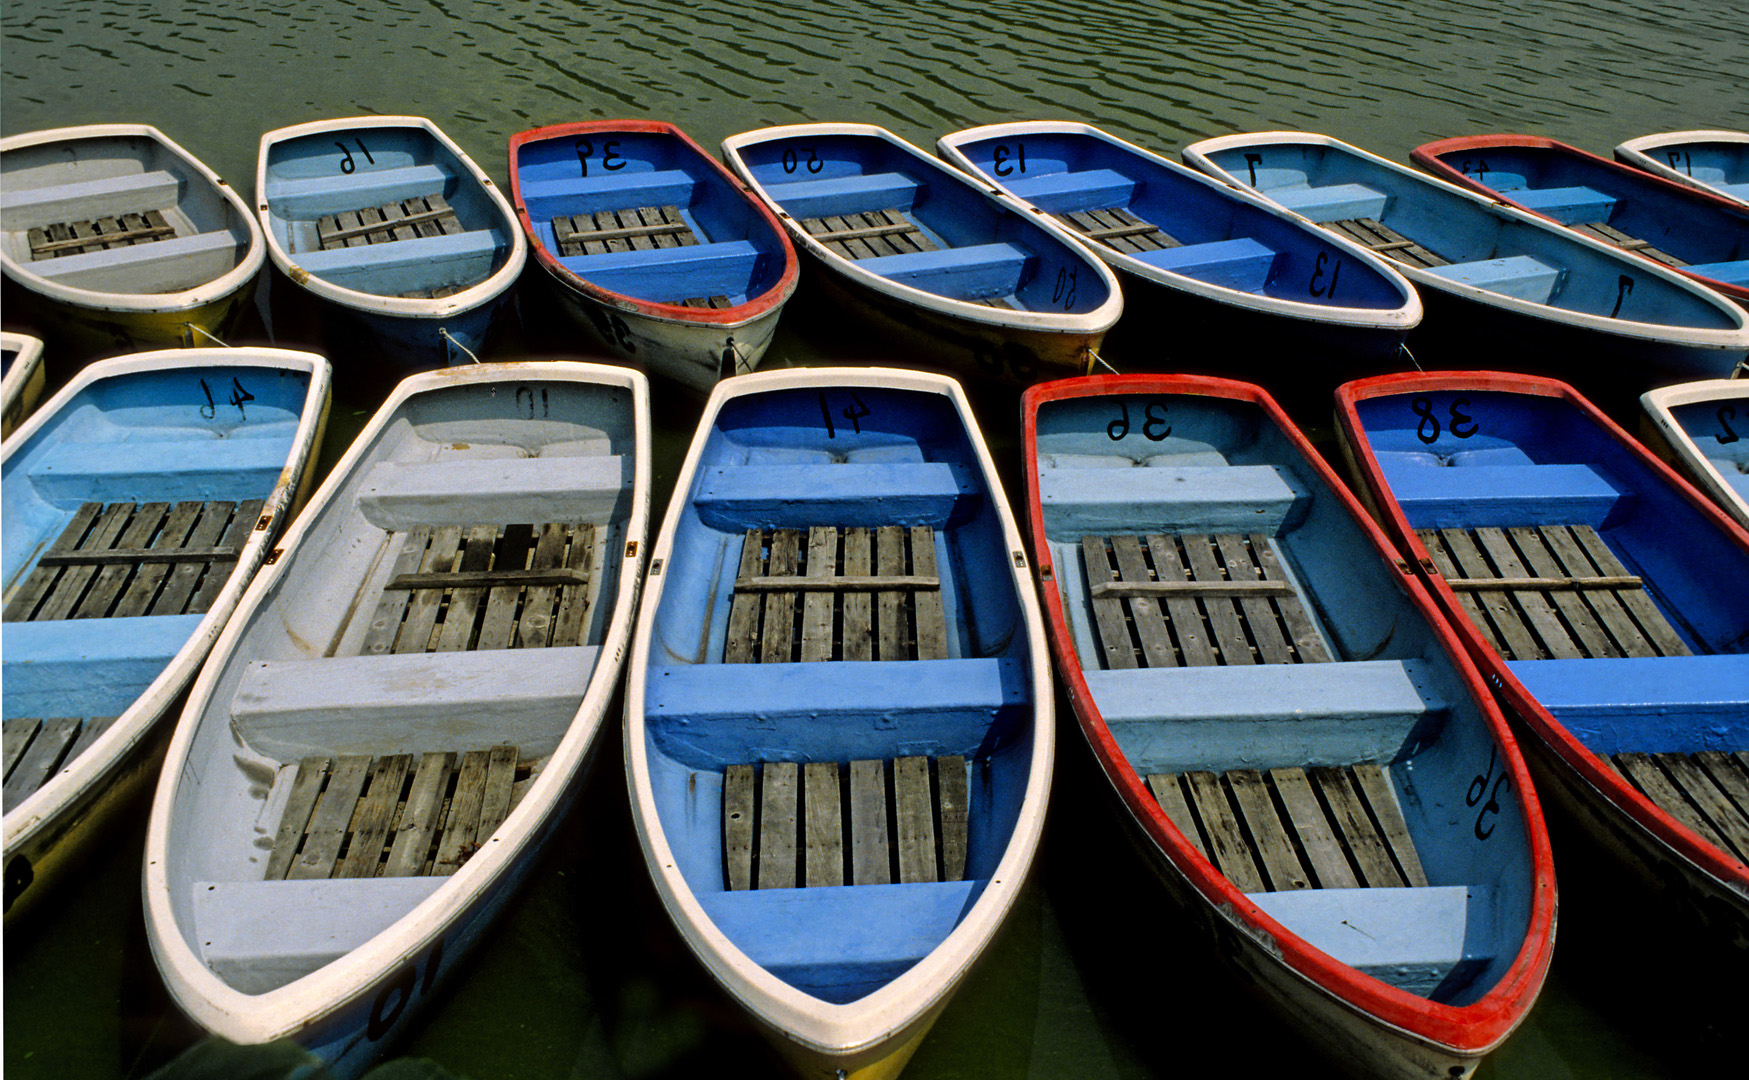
87,667
88,200
1575,205
1241,264
1681,704
737,497
975,272
670,275
401,266
1067,192
317,196
844,194
1522,277
161,470
169,265
1412,938
1170,498
1504,495
1733,272
605,191
1333,202
467,491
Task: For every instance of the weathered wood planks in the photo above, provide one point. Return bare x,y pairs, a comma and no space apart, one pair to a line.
870,234
1195,601
1708,792
36,749
1118,229
78,237
1609,234
860,823
807,596
422,215
634,228
1550,591
1386,241
120,560
400,815
1292,828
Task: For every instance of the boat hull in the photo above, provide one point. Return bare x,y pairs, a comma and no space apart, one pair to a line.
1700,427
24,379
1715,161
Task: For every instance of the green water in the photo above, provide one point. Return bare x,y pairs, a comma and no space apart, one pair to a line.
585,977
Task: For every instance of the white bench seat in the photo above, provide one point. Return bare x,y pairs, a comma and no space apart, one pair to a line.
318,196
88,200
1170,498
162,266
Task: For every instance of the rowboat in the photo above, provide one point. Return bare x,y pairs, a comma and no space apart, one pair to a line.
403,708
139,501
652,246
122,239
938,262
838,632
1308,761
1224,267
1604,599
398,235
21,378
1703,427
1717,161
1701,235
1491,273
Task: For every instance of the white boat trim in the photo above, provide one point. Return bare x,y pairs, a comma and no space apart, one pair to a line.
1660,406
1639,153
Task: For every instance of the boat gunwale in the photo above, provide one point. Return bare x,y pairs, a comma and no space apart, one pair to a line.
1635,153
1660,405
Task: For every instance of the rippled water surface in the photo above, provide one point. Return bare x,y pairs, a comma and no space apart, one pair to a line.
585,978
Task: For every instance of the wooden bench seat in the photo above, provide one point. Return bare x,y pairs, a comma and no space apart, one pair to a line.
1333,202
788,825
1522,277
468,490
1481,494
1375,235
37,749
1118,229
85,200
1174,498
98,234
802,199
1707,791
1243,264
168,265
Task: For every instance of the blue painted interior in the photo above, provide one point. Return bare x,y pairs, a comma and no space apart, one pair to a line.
86,667
1068,171
1334,202
1522,277
976,272
623,170
1720,429
864,455
424,262
1392,696
811,175
1646,703
1507,495
1575,205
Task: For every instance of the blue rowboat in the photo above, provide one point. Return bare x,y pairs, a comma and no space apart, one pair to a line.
122,239
21,379
1497,281
1214,268
1716,161
139,501
403,708
400,237
1703,236
1604,598
652,246
962,273
838,631
1310,763
1703,427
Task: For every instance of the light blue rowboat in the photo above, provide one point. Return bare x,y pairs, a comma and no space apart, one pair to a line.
1716,161
424,293
138,503
1502,286
1704,428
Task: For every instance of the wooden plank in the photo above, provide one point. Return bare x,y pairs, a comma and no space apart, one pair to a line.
456,631
739,784
1642,770
182,591
423,604
150,574
1609,234
371,222
1119,229
931,617
461,836
69,588
1447,566
1538,612
385,623
1302,633
805,582
955,804
1228,849
870,858
332,818
1355,827
1269,836
823,806
15,736
294,820
107,587
572,615
892,610
1170,796
778,820
744,608
246,515
1381,796
422,817
130,230
1182,612
1590,637
1386,241
1511,631
1145,614
1712,801
1603,603
858,632
1223,613
777,634
1258,611
914,819
818,604
22,605
1730,773
499,796
1108,614
1318,840
375,817
498,626
489,579
41,760
1637,602
534,627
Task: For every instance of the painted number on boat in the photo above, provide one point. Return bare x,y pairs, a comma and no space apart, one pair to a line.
1487,784
1460,423
1679,159
391,1001
1154,424
1251,163
1002,166
347,164
532,401
792,159
1477,168
1064,293
853,412
611,159
613,329
1624,287
210,410
1727,413
1318,287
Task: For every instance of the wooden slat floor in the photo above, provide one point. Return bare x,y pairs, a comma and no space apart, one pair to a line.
1706,791
1195,600
120,560
1292,828
422,215
37,749
863,823
78,237
401,815
635,228
1386,241
1551,591
873,233
862,594
1118,229
486,587
1609,234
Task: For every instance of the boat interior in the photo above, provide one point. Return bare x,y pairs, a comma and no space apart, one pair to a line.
838,706
124,518
645,215
1615,604
918,222
392,697
387,211
1437,232
131,217
1257,664
1720,430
